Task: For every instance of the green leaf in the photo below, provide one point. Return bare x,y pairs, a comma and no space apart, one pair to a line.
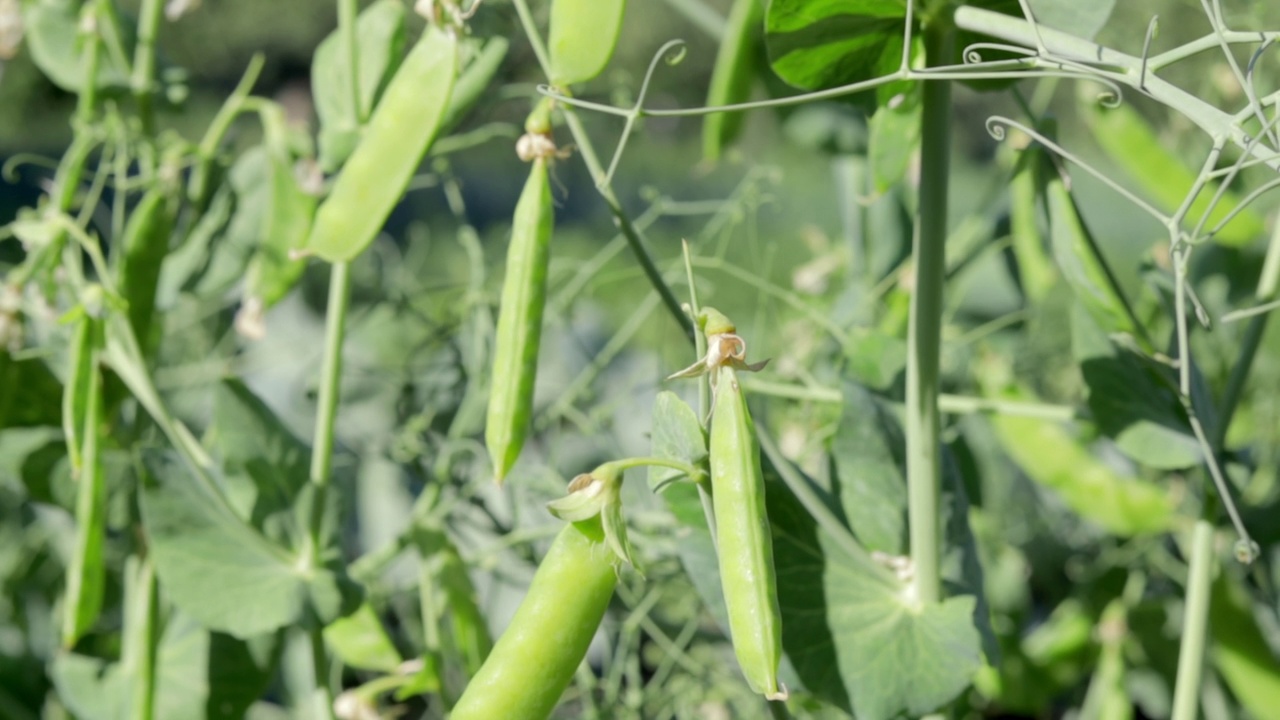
1132,144
211,564
360,641
1082,18
59,49
582,36
1056,460
1239,651
677,435
1133,399
253,440
852,633
816,44
272,273
895,136
380,41
32,396
867,452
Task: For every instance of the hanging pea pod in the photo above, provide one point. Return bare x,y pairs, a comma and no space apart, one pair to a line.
524,294
400,131
144,247
731,78
534,660
582,38
743,540
86,572
474,81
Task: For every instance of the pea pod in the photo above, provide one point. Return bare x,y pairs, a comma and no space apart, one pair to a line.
86,572
400,131
534,660
146,242
515,352
582,37
731,78
743,541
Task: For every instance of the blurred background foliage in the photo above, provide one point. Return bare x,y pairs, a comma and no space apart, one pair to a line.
812,265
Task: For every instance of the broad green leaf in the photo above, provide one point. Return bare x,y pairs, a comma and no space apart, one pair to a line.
677,435
211,564
1239,651
251,438
285,225
380,40
1133,399
825,43
360,641
59,48
582,36
1131,143
894,138
851,631
199,675
1056,460
1082,18
867,451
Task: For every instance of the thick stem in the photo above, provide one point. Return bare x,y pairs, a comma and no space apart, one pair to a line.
924,341
322,447
1195,624
142,82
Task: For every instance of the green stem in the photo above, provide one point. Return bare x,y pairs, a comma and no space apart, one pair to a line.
1195,624
322,696
88,100
322,446
144,630
924,340
704,388
635,462
142,82
347,11
629,231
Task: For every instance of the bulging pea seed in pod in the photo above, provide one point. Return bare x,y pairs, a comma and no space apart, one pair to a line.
524,294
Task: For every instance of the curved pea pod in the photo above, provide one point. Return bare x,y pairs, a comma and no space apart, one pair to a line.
515,352
474,81
582,37
731,77
534,660
143,249
400,131
743,541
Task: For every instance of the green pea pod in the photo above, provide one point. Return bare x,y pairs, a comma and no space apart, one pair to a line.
731,78
474,82
86,572
146,242
400,131
515,352
75,393
743,541
534,660
582,37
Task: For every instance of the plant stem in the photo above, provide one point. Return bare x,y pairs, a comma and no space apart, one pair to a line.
587,151
1196,623
88,100
704,386
635,462
322,447
924,341
142,81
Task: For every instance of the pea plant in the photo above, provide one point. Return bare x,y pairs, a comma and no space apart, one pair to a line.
1006,446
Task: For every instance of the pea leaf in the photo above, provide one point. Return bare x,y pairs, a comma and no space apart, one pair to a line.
1130,142
211,564
1133,399
1239,650
58,49
1056,460
850,630
867,452
380,40
361,642
895,135
815,44
677,435
199,674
